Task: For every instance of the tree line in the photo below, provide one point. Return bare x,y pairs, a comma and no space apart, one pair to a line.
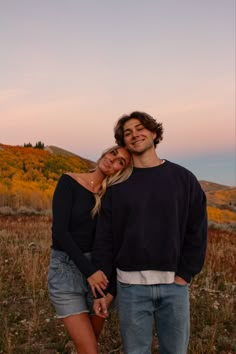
38,145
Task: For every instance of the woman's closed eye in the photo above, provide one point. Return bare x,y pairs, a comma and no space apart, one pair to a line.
114,152
121,162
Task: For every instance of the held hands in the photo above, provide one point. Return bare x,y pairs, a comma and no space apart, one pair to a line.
98,281
101,305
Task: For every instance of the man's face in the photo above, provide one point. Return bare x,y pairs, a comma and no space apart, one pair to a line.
137,138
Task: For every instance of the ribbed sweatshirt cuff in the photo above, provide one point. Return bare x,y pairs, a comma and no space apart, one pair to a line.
185,275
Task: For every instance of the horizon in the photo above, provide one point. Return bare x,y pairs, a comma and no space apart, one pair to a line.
198,165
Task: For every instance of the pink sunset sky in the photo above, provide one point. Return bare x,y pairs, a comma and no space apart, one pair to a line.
70,69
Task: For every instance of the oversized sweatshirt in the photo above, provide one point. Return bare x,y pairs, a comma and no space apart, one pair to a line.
156,220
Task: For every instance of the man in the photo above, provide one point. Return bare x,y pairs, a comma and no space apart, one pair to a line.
153,230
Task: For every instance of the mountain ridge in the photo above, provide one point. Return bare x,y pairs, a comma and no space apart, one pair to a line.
207,186
59,151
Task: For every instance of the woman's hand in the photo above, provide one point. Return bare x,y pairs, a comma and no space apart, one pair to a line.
98,281
100,307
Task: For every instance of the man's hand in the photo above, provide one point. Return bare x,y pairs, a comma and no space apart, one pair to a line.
179,280
100,307
98,281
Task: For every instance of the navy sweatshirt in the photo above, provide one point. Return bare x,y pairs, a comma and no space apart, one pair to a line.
156,220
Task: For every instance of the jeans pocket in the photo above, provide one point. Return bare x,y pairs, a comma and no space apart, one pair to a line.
54,268
180,285
123,285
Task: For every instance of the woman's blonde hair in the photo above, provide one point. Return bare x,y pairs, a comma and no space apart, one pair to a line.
109,181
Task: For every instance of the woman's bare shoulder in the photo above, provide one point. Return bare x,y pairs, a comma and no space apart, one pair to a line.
78,177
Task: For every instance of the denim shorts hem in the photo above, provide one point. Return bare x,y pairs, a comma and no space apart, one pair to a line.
72,314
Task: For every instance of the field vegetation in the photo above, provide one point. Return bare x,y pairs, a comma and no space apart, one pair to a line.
27,320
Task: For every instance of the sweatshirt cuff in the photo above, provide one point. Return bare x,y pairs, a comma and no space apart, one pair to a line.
111,289
90,269
185,275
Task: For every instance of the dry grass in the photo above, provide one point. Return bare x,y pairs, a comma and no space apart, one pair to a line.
27,319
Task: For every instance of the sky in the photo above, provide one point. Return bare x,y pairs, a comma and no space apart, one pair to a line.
70,69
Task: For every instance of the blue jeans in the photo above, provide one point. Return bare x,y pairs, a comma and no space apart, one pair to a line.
166,304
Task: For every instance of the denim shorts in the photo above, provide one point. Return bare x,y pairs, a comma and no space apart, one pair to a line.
68,288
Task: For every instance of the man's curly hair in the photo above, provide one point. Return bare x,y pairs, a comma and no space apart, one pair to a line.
145,119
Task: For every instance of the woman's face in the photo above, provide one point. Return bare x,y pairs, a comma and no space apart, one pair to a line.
114,161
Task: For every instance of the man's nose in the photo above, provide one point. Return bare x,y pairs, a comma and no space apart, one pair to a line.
135,133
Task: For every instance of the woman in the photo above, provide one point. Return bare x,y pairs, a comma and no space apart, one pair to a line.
72,279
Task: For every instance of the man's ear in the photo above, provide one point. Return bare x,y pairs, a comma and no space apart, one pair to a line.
154,135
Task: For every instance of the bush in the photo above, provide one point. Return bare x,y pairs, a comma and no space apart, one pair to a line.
231,227
23,210
6,210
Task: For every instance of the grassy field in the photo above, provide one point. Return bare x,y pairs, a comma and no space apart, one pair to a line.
27,320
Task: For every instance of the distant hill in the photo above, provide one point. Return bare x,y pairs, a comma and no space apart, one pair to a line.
28,175
221,201
212,187
220,195
59,151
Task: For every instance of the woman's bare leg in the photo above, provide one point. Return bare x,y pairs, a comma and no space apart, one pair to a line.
97,323
81,331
